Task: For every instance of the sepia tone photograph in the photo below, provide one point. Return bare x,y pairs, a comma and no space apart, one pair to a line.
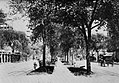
59,41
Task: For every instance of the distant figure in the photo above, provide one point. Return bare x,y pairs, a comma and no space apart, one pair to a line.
35,65
40,63
102,61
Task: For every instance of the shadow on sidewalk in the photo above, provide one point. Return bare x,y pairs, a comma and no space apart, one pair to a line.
41,70
77,71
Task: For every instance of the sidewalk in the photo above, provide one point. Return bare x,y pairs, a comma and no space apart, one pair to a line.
16,73
61,74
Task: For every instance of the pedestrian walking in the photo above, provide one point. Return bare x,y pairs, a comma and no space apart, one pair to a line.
35,65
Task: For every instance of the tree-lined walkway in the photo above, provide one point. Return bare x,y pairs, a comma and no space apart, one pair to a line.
15,73
62,74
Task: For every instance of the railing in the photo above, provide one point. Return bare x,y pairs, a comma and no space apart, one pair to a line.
8,57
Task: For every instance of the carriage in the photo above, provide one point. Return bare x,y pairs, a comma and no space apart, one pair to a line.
107,58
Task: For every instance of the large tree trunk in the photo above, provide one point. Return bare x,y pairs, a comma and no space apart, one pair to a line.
88,38
88,65
88,51
87,41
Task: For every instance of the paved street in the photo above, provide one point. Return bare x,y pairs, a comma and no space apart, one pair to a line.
16,73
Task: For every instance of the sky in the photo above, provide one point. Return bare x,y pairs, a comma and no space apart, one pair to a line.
20,25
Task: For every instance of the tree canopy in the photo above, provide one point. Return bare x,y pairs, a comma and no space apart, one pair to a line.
15,39
82,14
2,16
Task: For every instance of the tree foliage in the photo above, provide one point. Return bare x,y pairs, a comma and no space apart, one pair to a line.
98,41
82,14
2,17
66,39
113,32
16,39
